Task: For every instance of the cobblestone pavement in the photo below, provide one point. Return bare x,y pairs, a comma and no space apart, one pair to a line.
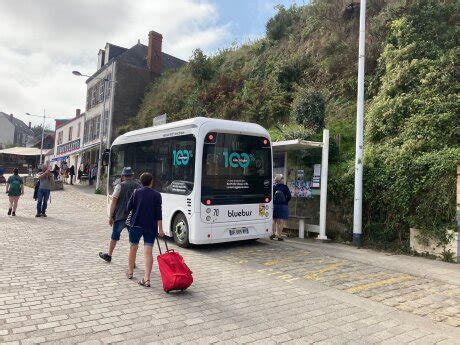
54,288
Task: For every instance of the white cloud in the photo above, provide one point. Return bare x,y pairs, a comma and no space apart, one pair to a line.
43,41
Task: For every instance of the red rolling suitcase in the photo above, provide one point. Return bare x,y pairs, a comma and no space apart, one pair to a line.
175,274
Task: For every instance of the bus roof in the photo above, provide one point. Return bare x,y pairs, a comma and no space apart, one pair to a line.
195,122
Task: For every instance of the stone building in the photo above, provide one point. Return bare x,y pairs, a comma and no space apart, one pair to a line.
14,132
48,140
126,74
68,140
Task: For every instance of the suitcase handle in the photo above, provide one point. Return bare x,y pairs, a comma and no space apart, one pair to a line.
166,244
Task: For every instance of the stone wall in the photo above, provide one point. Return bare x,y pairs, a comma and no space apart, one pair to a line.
431,247
30,181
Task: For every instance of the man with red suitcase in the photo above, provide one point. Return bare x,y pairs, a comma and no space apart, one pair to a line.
145,221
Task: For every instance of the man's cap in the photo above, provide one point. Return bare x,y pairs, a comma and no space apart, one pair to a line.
127,171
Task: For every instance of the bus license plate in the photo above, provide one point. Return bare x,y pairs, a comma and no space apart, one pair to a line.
239,231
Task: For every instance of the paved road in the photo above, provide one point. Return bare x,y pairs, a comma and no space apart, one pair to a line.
54,288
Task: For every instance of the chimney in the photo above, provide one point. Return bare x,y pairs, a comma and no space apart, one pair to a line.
154,52
100,59
30,124
77,113
11,117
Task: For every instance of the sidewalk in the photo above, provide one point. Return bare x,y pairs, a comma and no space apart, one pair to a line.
55,288
419,266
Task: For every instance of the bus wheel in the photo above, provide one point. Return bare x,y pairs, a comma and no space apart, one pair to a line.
180,230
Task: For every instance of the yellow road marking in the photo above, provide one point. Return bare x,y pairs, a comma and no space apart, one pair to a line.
373,285
316,274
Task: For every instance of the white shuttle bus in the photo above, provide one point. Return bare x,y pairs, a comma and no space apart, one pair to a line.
215,177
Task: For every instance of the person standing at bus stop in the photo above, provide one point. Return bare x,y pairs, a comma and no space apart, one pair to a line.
281,197
118,209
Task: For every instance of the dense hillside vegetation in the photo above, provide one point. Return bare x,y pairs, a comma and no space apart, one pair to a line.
302,77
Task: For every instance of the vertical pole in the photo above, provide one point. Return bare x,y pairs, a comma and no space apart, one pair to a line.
358,202
112,95
99,159
301,228
323,196
285,170
43,136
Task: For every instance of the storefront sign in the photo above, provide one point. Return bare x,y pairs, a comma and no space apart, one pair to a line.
68,147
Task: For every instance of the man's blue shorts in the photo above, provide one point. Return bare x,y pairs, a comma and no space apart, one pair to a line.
117,228
135,234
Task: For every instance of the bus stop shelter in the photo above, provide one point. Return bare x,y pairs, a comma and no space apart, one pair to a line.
294,148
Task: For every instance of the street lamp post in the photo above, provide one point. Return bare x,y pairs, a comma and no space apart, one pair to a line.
358,202
99,161
43,134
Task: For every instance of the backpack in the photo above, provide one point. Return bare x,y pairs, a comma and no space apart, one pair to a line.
15,185
279,197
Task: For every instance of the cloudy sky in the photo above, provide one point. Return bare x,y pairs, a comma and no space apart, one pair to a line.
43,41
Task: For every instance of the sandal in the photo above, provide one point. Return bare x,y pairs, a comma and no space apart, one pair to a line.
129,275
144,282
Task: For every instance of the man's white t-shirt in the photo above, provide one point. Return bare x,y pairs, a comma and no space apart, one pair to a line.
116,191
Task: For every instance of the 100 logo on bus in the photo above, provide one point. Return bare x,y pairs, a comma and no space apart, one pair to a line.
181,157
236,159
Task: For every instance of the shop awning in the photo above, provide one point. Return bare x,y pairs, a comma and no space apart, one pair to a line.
86,148
58,159
22,151
296,144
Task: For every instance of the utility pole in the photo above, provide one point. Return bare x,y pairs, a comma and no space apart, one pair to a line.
43,136
358,202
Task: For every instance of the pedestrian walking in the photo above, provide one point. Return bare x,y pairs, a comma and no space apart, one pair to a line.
145,221
118,209
14,189
44,191
281,197
71,173
55,172
92,174
80,173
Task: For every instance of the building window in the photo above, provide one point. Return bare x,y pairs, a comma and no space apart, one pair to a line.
92,129
94,98
105,123
101,91
109,85
78,130
70,132
86,132
88,99
98,126
60,136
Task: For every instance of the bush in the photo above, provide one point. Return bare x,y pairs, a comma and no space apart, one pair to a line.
200,66
412,153
280,25
308,108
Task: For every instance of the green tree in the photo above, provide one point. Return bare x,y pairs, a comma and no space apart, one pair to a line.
308,108
281,24
412,153
200,66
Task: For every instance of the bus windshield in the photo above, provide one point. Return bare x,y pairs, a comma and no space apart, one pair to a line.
237,169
